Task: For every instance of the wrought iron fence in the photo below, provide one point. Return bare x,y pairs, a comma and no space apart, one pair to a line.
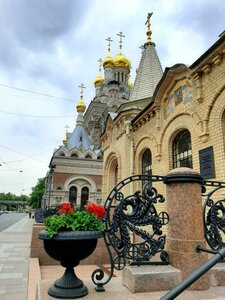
214,213
134,224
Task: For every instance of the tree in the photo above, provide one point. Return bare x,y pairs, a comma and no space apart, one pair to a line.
37,193
10,196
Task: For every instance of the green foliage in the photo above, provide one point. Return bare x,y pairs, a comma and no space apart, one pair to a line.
76,221
37,193
10,196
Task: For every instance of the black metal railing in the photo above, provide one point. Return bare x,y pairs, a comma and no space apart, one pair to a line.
214,214
183,285
133,231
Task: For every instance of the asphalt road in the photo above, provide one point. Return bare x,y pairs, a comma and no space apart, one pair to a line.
9,219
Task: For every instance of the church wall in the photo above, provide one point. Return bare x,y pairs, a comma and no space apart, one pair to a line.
211,110
118,153
59,179
190,98
203,119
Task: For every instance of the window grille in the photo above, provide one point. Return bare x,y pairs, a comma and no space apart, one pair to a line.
182,152
73,195
84,196
146,164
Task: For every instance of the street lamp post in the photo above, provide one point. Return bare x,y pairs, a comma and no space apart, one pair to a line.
21,178
51,171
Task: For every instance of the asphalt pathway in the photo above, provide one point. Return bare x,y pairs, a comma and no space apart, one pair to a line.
9,219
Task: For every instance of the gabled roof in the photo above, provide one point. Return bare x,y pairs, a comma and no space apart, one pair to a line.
79,139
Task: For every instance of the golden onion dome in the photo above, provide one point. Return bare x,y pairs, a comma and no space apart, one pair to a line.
81,106
98,80
108,61
121,60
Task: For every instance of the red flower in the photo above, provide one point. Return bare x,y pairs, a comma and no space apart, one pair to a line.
91,207
65,208
97,210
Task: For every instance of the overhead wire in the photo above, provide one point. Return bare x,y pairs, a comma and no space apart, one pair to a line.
32,92
33,116
8,148
37,93
20,160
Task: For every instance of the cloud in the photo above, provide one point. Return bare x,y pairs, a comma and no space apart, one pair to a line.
37,24
31,31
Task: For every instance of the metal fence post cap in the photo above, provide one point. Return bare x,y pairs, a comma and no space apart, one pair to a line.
183,175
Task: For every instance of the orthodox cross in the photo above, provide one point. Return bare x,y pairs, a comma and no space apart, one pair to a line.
148,20
67,127
82,87
109,40
120,34
100,64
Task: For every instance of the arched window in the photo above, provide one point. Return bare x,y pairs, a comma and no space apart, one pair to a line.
73,195
74,155
88,156
84,196
182,152
146,164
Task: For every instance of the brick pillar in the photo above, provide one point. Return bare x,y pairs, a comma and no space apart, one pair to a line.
185,229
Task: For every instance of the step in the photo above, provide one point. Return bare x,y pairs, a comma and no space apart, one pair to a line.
141,279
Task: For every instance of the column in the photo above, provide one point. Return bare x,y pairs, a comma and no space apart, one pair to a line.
185,229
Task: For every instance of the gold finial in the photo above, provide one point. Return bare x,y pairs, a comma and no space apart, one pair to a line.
120,34
65,137
108,61
80,105
109,40
82,87
121,60
99,80
149,32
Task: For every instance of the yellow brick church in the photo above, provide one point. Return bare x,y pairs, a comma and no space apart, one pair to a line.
166,120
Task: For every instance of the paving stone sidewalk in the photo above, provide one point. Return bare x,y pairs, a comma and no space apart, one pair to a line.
14,257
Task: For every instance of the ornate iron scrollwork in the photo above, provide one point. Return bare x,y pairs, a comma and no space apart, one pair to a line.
214,216
133,226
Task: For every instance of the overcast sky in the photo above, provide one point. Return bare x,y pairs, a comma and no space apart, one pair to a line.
50,47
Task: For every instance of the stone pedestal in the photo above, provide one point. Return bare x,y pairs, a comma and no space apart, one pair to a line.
144,279
185,229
